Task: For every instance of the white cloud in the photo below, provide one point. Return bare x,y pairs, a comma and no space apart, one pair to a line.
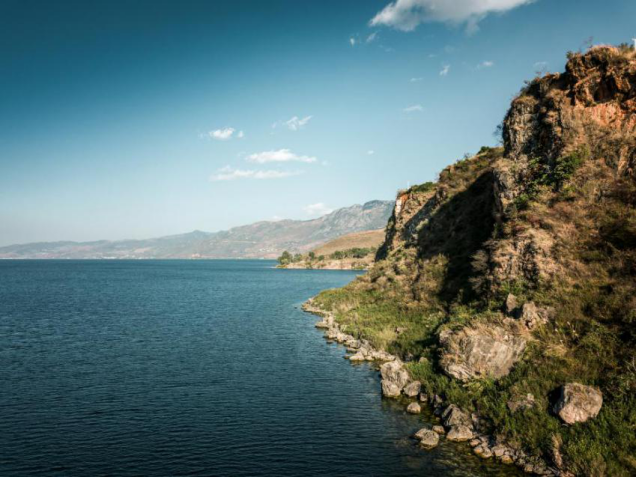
352,41
297,123
317,209
414,108
406,15
444,71
227,173
222,134
281,155
225,133
485,64
370,152
416,80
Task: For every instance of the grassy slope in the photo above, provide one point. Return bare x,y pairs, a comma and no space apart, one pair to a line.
433,285
368,239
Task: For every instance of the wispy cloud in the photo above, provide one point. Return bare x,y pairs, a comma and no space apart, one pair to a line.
372,37
406,15
228,173
225,133
317,209
416,80
485,64
370,152
293,124
444,71
352,41
280,155
297,123
413,109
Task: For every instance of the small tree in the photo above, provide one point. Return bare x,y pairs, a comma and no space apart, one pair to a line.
312,255
285,258
297,258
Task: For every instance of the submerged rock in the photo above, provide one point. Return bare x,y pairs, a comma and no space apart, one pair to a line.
428,438
578,403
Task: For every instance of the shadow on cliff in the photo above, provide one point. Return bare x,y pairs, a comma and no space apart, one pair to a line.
457,230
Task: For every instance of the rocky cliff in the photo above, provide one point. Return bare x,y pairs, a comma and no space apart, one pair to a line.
508,286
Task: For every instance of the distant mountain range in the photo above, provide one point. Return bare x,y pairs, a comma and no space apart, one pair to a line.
267,239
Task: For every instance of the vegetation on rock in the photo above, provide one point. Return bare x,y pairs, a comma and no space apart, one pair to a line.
538,241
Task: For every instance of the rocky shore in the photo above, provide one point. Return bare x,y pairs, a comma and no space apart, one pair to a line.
456,425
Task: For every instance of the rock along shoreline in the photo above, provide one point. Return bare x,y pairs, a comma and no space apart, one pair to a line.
456,424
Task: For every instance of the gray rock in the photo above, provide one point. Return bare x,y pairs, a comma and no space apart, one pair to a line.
506,459
413,389
382,356
578,403
390,390
459,434
511,304
414,408
428,439
532,316
483,451
499,450
394,378
454,416
480,351
519,403
357,357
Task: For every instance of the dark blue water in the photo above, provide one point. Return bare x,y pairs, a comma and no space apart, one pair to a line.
189,368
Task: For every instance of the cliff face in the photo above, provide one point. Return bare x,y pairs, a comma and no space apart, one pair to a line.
516,272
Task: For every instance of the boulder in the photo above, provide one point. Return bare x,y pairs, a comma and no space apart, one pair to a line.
483,451
439,429
506,459
390,390
413,389
578,403
454,416
460,433
480,351
357,357
532,316
428,438
394,378
414,408
382,356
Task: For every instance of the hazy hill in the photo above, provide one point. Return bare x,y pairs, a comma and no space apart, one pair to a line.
265,239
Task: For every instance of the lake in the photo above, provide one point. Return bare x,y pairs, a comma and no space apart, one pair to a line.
207,368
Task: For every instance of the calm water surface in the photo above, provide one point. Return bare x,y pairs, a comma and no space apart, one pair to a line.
205,368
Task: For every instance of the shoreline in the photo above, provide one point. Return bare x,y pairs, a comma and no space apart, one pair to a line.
455,425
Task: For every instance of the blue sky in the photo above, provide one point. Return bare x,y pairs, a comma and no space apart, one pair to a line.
146,118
